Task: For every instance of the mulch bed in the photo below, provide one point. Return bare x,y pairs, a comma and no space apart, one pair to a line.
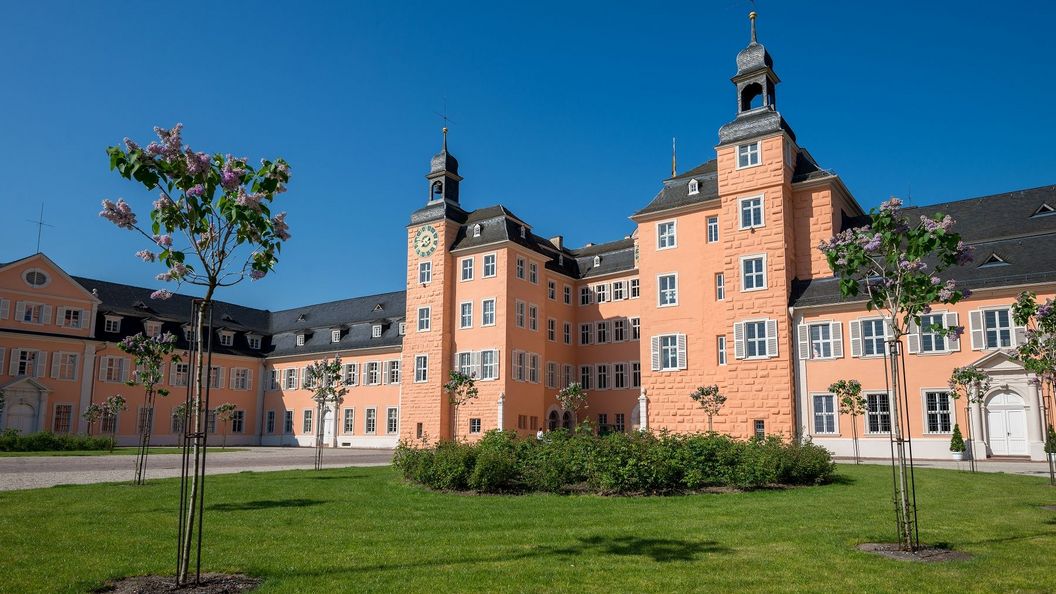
922,555
211,583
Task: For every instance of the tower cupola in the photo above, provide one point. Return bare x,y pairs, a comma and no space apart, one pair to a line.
443,176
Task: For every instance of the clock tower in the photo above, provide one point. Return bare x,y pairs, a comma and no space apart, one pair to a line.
428,341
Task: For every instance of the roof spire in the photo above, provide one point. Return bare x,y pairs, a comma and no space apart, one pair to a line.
751,17
674,171
444,130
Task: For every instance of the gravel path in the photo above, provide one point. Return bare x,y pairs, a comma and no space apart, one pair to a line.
47,471
1029,468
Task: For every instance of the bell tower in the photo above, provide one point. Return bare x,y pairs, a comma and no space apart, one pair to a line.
443,176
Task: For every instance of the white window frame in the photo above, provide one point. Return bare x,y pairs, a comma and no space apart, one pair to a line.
566,332
634,289
254,342
300,340
567,294
484,311
335,335
425,322
227,338
834,414
392,420
421,369
464,308
551,290
112,324
520,267
870,414
694,187
586,333
425,272
749,153
533,272
666,235
660,290
744,275
520,313
671,348
762,214
494,261
375,331
883,340
830,341
950,411
720,286
720,348
712,226
551,329
926,333
465,269
533,317
636,328
998,329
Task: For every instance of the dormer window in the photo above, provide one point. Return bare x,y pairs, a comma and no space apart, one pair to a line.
335,335
992,261
112,324
403,328
1043,210
300,340
375,331
301,318
378,307
597,261
254,341
694,187
476,230
523,232
152,328
227,338
188,333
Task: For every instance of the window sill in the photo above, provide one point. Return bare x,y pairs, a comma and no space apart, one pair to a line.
754,289
740,167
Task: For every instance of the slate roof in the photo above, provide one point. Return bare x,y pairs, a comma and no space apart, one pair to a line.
354,317
616,256
675,192
1000,224
756,122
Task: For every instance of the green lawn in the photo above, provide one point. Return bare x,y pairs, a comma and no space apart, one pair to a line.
116,452
364,529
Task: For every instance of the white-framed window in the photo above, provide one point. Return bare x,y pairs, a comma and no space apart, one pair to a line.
619,425
71,318
533,317
585,296
533,273
421,368
585,332
216,377
619,291
375,331
567,291
227,338
289,379
33,313
424,319
694,187
112,324
667,290
821,341
720,286
759,428
490,266
586,375
713,229
824,413
348,424
874,335
669,352
566,332
551,290
238,421
63,418
392,420
720,345
533,368
519,364
487,312
476,230
878,413
300,340
269,425
997,328
753,273
474,425
636,374
519,308
114,369
751,210
636,328
240,378
335,335
665,235
551,329
520,268
34,277
254,341
153,328
394,371
464,364
489,365
306,421
425,273
636,288
373,373
465,314
63,365
748,155
370,421
601,293
602,377
351,374
273,379
755,339
930,340
938,411
551,374
567,375
619,376
466,266
401,328
601,332
619,330
287,421
180,374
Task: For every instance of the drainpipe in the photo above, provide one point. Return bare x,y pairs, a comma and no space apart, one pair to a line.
799,376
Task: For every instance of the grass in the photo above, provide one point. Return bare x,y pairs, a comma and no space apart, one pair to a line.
364,529
121,451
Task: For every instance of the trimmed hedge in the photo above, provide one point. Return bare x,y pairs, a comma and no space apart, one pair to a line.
617,463
12,441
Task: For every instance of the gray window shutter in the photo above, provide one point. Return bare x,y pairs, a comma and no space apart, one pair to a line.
654,349
975,323
913,337
60,316
1020,332
803,332
231,380
385,373
2,350
681,351
836,331
5,307
42,361
16,354
20,311
856,338
738,340
55,359
497,361
172,374
952,342
45,317
771,338
76,366
474,362
124,369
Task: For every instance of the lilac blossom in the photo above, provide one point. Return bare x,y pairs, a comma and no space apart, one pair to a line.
279,226
963,253
146,255
196,191
163,202
196,162
119,214
161,294
256,274
891,205
164,241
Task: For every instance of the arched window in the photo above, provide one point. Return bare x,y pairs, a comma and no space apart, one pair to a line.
438,190
597,261
566,420
694,187
751,96
552,421
476,230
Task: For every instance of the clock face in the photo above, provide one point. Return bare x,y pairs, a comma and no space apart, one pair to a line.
425,241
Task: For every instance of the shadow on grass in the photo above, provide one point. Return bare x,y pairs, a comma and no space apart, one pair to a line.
660,550
265,504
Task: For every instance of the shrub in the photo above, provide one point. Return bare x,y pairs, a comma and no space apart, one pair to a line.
957,440
12,441
616,463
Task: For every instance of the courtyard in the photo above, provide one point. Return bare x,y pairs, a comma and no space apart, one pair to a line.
365,529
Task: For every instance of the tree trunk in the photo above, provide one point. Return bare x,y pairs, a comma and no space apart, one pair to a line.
711,429
902,455
854,439
144,439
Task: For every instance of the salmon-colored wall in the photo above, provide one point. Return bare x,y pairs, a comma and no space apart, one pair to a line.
58,292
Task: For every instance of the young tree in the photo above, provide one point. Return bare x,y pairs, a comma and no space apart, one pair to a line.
224,413
148,355
971,384
460,388
848,394
896,266
709,399
92,413
572,398
328,390
111,407
1037,353
213,227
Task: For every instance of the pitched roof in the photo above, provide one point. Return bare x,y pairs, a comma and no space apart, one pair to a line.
675,192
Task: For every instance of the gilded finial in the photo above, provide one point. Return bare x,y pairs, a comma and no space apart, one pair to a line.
751,17
444,130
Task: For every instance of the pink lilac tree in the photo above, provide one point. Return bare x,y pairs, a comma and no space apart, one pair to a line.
1037,354
211,226
897,266
148,355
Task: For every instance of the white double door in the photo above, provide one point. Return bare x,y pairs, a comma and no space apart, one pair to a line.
328,426
1007,431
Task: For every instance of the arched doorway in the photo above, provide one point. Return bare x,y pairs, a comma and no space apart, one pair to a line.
552,420
1006,424
566,420
21,417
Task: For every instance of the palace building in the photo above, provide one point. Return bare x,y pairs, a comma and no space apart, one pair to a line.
720,283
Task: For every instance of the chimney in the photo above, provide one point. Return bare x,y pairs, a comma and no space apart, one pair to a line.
558,241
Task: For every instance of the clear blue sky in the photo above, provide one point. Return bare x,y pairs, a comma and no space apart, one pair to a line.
563,111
